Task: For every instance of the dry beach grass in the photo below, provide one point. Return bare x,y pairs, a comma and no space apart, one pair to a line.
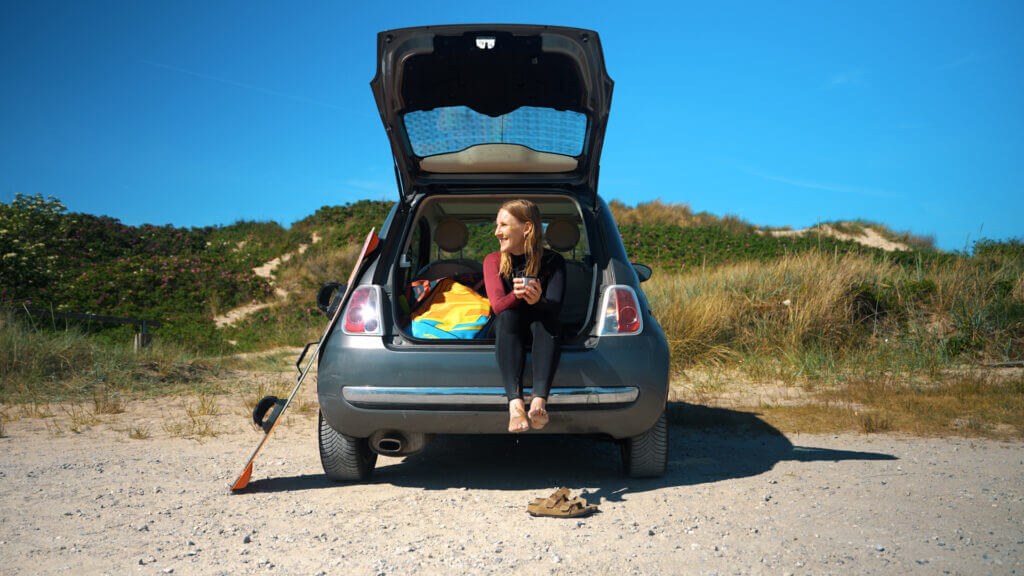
864,343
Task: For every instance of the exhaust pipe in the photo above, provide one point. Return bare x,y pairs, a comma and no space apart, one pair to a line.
395,443
390,445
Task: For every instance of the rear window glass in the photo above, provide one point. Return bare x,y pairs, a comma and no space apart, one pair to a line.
456,128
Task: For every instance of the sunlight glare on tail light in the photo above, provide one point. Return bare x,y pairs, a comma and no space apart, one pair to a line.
362,315
621,312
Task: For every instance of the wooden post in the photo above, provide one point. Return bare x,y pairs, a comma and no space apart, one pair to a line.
142,339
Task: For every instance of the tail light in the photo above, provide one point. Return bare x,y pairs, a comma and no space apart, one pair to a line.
620,312
362,315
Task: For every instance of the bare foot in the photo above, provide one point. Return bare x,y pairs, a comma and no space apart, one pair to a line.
538,413
517,421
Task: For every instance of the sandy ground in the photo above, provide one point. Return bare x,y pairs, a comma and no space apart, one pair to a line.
739,498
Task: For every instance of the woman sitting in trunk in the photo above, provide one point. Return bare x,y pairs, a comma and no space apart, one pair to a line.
525,284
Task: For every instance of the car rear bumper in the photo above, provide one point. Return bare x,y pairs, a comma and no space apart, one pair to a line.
618,387
397,398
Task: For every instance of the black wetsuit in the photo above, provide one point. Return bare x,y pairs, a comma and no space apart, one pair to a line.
517,323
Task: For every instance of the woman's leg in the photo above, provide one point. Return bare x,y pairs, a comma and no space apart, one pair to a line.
545,354
509,348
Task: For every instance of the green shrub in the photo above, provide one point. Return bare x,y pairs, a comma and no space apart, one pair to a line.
156,287
347,224
1003,250
32,231
181,277
292,323
250,244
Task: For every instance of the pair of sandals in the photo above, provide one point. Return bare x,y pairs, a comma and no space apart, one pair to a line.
520,421
561,504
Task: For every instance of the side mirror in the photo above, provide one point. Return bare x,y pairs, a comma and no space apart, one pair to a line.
327,296
643,271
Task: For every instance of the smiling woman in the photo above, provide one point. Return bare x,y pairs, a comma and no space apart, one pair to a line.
526,285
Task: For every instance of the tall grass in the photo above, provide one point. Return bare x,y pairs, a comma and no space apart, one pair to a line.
40,363
879,346
728,312
814,309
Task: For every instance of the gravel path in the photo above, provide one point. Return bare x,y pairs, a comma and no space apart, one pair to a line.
740,499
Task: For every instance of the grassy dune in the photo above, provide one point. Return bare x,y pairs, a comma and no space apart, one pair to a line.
813,332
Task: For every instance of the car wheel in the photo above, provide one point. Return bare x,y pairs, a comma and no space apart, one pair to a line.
646,455
345,458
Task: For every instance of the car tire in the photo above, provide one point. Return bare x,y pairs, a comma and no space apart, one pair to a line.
646,454
344,458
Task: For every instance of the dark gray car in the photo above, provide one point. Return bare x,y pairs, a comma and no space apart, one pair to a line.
477,115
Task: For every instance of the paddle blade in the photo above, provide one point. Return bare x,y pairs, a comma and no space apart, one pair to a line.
243,480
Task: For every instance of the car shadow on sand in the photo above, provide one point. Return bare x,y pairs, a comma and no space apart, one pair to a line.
705,445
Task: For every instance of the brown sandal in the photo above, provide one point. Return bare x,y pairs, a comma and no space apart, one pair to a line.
517,421
559,505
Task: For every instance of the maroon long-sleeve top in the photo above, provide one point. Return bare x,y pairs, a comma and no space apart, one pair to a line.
551,276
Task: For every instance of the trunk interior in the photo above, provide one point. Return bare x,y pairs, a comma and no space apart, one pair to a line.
450,236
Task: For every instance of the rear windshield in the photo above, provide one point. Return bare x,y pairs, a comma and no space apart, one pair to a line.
456,128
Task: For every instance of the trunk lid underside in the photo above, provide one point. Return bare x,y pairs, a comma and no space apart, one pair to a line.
477,104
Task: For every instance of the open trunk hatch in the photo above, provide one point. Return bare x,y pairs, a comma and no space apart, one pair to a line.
478,104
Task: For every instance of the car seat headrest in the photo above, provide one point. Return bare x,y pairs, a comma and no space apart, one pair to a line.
451,234
562,235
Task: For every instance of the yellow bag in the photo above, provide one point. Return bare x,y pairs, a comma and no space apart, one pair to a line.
451,310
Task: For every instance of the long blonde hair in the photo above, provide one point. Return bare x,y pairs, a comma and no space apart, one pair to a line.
525,211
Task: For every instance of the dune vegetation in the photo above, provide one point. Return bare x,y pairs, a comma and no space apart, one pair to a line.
869,339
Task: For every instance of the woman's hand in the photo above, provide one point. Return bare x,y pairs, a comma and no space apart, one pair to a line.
530,291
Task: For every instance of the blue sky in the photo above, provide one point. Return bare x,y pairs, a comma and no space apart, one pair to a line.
203,113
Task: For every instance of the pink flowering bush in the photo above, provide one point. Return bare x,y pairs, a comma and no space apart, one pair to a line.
180,277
